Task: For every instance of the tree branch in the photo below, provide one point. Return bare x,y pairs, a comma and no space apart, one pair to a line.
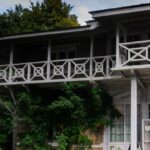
6,107
12,95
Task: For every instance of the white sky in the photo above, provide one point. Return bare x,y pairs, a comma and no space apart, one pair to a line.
81,7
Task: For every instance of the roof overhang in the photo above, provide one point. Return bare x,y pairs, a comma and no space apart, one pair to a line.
49,34
121,11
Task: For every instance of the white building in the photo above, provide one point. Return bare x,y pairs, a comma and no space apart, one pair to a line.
113,49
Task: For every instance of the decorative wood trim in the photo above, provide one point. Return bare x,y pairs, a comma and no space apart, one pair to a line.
65,70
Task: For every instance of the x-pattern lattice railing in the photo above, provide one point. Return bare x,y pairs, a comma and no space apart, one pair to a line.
77,69
134,53
102,66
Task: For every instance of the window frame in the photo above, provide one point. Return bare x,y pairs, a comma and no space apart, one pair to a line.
125,131
64,48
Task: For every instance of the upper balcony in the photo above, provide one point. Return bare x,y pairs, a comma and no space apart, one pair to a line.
79,69
134,55
133,47
56,61
67,56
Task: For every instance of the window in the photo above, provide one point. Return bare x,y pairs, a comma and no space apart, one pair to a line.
120,131
132,38
64,52
63,55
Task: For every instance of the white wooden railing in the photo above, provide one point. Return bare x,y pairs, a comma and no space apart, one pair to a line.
78,69
134,53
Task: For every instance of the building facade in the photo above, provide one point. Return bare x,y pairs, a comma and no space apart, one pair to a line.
112,49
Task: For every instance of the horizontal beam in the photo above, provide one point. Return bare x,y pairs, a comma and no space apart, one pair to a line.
136,42
62,80
135,67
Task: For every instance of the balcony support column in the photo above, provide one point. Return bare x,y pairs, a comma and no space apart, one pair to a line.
49,58
118,61
49,51
123,31
134,89
11,54
11,60
123,53
91,54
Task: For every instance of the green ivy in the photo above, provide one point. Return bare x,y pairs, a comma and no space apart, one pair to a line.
80,107
84,142
71,109
62,141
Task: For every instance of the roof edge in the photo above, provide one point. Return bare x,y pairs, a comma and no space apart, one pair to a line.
46,33
111,10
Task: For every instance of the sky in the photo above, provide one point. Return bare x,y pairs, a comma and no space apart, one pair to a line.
81,7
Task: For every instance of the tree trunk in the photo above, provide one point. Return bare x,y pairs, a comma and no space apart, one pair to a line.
14,133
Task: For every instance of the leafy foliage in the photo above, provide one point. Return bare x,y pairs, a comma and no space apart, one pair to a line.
84,141
85,103
5,123
81,107
29,121
34,133
62,141
41,16
69,111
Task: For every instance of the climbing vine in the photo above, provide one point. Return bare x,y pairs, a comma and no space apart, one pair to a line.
62,114
81,107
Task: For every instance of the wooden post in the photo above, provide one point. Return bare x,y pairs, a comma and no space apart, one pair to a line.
11,61
48,58
124,53
118,62
12,54
106,138
144,109
91,55
133,112
49,51
124,32
144,103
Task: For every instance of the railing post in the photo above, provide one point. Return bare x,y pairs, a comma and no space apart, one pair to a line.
107,66
147,53
48,59
11,62
10,73
118,61
29,72
91,55
69,70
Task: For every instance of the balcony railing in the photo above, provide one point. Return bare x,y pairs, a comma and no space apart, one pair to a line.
134,53
79,69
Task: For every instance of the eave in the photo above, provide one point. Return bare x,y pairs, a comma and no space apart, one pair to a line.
121,11
52,33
